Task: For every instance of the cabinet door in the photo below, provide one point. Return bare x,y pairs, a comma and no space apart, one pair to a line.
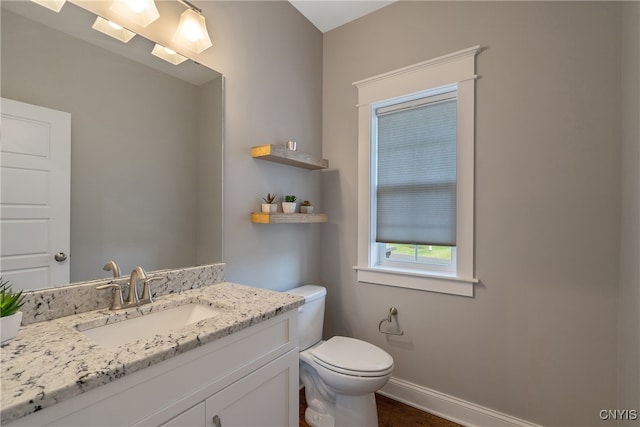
267,397
194,417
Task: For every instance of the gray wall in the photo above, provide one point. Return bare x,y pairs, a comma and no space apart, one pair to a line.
271,57
629,335
538,340
209,170
133,148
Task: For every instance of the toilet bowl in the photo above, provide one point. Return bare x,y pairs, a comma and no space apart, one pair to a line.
341,374
350,366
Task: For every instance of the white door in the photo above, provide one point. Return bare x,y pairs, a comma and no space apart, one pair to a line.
35,186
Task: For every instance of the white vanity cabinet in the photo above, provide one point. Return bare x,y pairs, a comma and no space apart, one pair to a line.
248,378
257,400
260,399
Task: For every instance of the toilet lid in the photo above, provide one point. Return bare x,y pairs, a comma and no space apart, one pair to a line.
353,357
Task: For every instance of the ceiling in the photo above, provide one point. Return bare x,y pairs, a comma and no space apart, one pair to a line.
329,14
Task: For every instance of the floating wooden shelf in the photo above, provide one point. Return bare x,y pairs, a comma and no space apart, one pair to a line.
293,158
292,218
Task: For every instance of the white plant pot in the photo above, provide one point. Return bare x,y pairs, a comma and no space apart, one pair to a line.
9,326
289,207
269,208
306,209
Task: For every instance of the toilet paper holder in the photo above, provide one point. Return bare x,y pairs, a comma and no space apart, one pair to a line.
389,319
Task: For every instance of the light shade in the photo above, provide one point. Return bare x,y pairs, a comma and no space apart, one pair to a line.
54,5
192,32
112,29
168,55
141,12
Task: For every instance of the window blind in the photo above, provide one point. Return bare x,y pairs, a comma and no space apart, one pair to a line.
416,172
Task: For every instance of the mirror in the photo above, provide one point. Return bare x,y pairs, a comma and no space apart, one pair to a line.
146,139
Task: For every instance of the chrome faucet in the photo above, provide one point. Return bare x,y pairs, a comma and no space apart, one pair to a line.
112,266
133,299
137,274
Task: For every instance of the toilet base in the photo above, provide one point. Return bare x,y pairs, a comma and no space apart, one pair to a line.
350,411
316,419
356,411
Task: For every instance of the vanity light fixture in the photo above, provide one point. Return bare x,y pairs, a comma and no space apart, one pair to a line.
54,5
168,55
141,12
192,30
112,29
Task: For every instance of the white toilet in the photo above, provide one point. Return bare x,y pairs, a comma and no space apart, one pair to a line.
341,374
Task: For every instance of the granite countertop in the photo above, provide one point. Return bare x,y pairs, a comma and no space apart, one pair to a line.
51,361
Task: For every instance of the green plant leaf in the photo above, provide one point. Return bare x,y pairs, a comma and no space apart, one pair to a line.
10,302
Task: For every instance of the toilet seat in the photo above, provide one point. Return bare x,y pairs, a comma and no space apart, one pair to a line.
350,356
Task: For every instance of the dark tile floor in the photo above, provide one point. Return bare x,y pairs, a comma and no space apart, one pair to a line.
392,413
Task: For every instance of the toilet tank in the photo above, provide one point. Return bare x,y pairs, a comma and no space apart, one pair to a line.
311,314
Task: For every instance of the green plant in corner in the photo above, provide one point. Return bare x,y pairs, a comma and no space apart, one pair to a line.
290,199
270,198
10,302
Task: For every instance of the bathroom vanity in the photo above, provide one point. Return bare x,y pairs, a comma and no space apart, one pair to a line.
237,368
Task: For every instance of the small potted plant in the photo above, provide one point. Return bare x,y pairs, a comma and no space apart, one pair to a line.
10,314
269,205
305,207
289,204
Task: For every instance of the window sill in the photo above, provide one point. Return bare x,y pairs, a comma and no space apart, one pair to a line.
446,284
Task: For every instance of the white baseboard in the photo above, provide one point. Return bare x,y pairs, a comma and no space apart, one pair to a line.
449,407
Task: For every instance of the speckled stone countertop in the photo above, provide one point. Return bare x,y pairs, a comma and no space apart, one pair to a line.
51,361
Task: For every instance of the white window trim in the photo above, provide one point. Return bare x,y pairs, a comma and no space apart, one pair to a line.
455,68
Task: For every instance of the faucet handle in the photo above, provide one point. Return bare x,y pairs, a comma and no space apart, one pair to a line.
116,304
146,290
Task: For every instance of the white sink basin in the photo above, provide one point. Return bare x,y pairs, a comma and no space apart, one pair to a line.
117,334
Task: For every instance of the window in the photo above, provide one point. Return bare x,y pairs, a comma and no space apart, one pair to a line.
415,150
413,178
